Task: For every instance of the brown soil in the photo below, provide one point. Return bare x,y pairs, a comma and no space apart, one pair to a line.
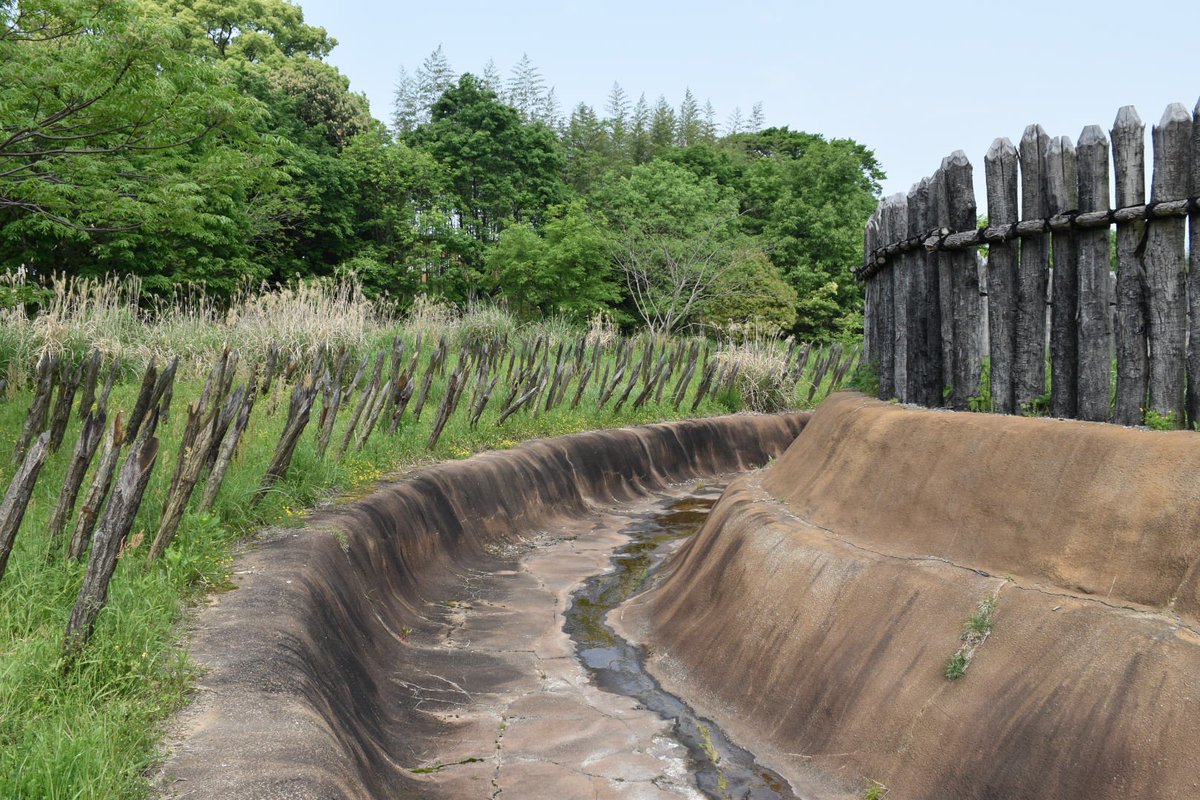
814,615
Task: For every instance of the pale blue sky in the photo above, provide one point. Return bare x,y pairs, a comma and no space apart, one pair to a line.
912,81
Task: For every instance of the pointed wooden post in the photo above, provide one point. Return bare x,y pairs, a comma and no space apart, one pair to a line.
1193,287
1033,272
16,499
1062,187
1094,376
1166,265
1000,169
964,280
1133,366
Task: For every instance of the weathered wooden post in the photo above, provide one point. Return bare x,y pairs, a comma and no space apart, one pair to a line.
1193,365
924,314
871,291
98,490
35,420
68,384
1029,376
1062,188
91,376
110,534
886,281
1000,169
16,499
1166,265
1133,366
901,269
964,276
1094,376
945,285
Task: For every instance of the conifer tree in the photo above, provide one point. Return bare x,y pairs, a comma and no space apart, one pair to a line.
406,111
433,78
491,79
708,129
757,119
526,90
662,126
735,124
639,131
687,131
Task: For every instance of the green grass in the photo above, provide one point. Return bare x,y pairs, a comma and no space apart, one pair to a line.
977,628
93,731
956,666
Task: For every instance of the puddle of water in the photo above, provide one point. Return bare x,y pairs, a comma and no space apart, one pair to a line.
722,769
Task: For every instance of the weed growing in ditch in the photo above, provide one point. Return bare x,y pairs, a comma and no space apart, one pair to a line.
975,631
875,791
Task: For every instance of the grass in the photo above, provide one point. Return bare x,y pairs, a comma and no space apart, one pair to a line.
875,791
977,628
94,731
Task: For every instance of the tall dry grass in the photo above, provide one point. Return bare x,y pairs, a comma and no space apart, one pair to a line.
761,360
76,315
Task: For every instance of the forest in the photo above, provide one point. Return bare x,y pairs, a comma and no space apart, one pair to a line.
196,143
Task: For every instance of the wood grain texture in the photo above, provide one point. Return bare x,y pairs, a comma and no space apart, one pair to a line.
1166,265
1132,293
1094,368
1000,170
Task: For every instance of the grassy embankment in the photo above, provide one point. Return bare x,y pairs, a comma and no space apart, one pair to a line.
93,731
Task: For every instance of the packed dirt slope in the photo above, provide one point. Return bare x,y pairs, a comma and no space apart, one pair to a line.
815,613
309,659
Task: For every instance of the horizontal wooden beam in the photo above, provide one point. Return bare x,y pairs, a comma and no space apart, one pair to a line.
942,239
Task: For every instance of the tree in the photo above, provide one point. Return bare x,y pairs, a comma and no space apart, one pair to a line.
566,270
586,146
708,129
434,78
752,292
639,132
500,169
808,199
689,131
616,120
674,238
491,79
662,127
735,124
406,108
92,99
251,31
401,222
526,90
757,119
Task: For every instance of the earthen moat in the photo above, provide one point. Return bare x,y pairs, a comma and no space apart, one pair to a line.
650,612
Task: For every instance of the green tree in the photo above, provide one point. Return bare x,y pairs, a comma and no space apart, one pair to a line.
501,170
662,127
92,95
752,292
690,129
675,237
587,148
565,270
808,199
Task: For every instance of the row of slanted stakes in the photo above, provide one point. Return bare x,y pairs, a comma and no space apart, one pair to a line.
1060,314
119,449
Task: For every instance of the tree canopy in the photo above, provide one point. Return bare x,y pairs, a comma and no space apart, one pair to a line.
205,142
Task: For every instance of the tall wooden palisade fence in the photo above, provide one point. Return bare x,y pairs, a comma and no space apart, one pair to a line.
1058,299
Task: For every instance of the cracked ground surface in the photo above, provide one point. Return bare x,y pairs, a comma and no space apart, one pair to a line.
541,729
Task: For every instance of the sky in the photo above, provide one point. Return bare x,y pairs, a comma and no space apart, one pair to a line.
912,81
